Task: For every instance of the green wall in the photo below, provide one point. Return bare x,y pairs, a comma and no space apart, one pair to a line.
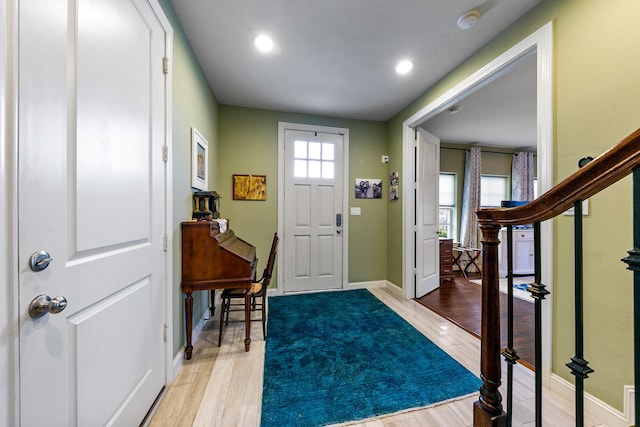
193,106
248,144
596,104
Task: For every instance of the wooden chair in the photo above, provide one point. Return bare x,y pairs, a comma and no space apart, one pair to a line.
258,291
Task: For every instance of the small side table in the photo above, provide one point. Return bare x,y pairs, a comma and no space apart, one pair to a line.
465,262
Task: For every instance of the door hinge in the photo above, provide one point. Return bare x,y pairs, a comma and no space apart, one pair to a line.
415,271
165,65
165,153
165,242
165,333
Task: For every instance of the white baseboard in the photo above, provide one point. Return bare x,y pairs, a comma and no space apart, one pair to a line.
366,285
596,407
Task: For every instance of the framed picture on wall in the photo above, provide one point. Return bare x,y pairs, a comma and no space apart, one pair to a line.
199,161
368,188
249,187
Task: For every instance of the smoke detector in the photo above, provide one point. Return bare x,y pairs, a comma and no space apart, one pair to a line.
469,19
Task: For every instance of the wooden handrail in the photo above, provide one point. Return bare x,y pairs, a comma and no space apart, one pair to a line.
600,173
606,169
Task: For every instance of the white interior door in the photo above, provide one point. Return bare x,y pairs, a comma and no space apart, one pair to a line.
427,240
91,194
313,217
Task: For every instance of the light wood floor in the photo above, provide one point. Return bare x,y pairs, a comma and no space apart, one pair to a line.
222,386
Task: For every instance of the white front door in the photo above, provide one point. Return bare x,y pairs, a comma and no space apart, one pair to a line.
313,216
91,194
427,240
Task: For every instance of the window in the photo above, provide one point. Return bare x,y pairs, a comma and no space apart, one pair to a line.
314,159
447,211
493,190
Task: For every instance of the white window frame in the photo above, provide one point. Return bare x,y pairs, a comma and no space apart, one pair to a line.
453,208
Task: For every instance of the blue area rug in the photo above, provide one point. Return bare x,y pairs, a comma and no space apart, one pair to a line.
333,357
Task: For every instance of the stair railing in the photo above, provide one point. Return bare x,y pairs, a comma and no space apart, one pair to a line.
595,176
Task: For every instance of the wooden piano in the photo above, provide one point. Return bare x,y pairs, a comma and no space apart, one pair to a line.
214,260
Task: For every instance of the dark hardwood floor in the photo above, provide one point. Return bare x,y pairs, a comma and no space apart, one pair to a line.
459,301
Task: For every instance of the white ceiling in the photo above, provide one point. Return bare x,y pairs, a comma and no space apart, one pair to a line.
501,114
337,57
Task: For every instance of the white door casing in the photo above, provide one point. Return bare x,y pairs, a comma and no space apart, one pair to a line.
540,42
427,239
313,217
91,105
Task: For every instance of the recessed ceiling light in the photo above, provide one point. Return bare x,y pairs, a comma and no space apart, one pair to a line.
404,66
263,43
469,19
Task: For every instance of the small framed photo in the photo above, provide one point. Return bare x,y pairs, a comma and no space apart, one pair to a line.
199,161
249,187
393,186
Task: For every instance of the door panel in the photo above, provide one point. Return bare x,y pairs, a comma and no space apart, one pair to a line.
427,240
91,193
302,261
124,317
312,200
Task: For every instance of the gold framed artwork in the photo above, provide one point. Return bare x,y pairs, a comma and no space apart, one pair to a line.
249,187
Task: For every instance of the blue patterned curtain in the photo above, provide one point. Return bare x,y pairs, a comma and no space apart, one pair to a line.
470,199
522,173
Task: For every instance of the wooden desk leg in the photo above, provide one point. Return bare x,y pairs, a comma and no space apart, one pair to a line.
247,319
188,321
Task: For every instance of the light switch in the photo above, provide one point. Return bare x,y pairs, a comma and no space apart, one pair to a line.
355,211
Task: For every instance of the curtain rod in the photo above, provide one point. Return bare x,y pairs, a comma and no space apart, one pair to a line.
481,150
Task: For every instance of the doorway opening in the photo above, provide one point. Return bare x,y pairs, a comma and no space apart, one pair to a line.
539,42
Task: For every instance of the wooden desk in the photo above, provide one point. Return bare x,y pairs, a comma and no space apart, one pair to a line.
213,260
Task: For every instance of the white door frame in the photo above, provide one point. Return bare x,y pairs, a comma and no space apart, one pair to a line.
9,317
8,212
540,41
168,190
345,196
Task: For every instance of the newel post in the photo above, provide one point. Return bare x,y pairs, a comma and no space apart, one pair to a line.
487,411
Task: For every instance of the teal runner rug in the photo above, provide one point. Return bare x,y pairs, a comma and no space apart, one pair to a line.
333,357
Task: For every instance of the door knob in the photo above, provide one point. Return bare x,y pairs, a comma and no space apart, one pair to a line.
43,304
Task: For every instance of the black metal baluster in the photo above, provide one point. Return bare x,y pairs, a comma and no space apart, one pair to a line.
579,367
538,292
633,264
509,353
